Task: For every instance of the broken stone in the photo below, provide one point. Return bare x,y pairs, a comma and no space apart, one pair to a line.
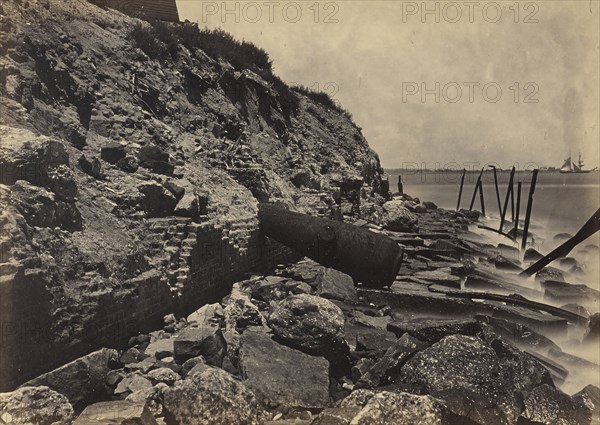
311,324
281,375
240,312
157,201
164,375
155,159
590,396
549,273
385,371
81,379
592,334
35,405
92,167
128,164
160,348
518,334
206,341
548,405
399,408
433,329
112,152
398,218
336,285
205,314
151,397
468,375
532,255
371,321
212,396
274,288
118,412
131,383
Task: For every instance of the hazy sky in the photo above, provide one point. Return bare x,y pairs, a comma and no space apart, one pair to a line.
515,82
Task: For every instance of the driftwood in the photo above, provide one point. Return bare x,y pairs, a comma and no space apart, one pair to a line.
587,230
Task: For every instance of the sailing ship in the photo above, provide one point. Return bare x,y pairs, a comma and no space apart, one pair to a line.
571,167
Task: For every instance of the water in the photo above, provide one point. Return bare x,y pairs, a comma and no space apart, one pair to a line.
562,204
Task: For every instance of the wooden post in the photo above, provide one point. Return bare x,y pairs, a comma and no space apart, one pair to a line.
516,228
475,191
462,182
587,230
508,193
529,207
497,189
481,197
512,201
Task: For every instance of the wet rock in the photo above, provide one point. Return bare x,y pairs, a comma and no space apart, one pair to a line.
157,201
385,371
550,406
336,285
82,379
155,159
430,205
471,215
164,375
577,309
561,237
35,405
275,288
212,396
113,152
518,334
116,413
592,334
532,255
398,218
503,263
590,396
281,375
442,277
550,273
131,383
92,167
467,374
433,329
206,341
311,324
399,408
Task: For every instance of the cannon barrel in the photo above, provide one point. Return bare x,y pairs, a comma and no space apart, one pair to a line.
368,257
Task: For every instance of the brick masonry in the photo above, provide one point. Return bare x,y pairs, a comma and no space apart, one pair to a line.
193,264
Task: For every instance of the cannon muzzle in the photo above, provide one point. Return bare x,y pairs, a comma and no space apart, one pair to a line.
368,257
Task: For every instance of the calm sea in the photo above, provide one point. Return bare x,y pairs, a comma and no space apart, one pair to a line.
562,203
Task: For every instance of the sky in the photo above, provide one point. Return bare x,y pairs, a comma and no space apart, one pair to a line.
435,83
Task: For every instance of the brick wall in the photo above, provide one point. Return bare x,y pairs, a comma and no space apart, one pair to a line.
202,261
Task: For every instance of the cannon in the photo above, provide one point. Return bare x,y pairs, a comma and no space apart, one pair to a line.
368,257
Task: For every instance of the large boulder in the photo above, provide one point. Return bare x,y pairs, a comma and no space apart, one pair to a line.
118,412
550,406
466,373
240,312
276,288
212,396
281,375
311,324
398,218
82,379
157,201
155,159
336,285
392,408
35,405
112,152
590,396
206,341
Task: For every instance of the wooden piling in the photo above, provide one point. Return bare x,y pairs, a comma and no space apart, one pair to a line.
475,191
497,189
587,230
508,193
512,201
462,182
516,221
529,207
481,197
